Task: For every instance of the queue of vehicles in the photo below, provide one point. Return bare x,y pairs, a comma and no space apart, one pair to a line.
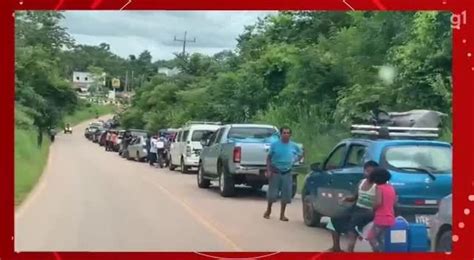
235,154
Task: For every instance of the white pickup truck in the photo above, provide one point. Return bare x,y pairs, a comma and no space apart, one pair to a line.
237,154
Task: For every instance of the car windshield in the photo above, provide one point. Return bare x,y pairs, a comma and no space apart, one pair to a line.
251,132
198,135
138,133
429,157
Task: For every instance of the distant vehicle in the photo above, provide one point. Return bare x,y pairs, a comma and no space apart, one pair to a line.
441,226
186,148
89,132
421,171
123,152
97,134
237,154
137,149
68,129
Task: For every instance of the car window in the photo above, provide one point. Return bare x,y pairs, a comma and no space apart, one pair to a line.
212,138
198,135
433,158
180,134
185,135
220,134
355,156
335,159
251,132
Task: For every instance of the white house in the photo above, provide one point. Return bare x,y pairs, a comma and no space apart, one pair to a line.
169,72
82,80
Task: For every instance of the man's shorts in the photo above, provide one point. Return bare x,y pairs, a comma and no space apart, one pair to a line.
354,222
280,183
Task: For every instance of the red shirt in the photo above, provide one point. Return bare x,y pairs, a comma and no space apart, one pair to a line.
384,214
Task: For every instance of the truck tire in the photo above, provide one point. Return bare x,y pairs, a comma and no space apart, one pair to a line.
310,216
294,186
201,181
184,168
226,183
444,242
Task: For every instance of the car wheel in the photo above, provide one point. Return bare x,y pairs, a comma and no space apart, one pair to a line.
226,183
184,169
310,216
202,183
444,242
171,166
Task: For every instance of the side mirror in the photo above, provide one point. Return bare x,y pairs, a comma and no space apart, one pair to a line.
316,167
204,142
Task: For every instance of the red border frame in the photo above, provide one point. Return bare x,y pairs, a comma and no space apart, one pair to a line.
463,71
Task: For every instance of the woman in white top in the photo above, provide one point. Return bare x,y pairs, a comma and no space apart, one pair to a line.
361,215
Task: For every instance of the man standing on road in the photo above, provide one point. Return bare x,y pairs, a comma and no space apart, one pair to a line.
108,139
152,153
281,158
125,142
148,147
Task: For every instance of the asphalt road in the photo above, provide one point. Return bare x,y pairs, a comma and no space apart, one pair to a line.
92,200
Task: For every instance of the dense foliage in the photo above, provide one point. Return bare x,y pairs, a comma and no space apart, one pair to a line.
309,70
313,71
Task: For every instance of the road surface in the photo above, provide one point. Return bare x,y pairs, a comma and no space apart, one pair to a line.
92,200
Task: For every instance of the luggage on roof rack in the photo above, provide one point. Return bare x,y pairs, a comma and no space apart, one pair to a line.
413,118
389,132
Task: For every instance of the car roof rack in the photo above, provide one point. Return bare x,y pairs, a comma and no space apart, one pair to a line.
202,123
394,132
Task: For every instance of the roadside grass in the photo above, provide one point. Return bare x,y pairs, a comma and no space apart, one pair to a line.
31,159
88,112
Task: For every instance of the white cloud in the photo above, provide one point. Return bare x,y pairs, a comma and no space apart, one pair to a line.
131,32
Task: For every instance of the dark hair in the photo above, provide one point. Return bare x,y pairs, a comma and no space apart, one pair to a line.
380,176
370,163
284,128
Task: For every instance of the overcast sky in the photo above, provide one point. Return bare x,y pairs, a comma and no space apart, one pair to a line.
131,32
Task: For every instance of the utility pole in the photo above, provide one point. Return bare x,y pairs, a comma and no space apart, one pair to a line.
126,80
131,81
184,40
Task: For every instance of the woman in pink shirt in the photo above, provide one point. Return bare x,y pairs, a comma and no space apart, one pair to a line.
385,199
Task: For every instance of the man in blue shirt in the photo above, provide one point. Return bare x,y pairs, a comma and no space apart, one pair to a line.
281,158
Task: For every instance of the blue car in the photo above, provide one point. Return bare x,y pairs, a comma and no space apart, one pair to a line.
421,174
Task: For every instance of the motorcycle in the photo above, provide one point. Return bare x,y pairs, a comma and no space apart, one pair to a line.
68,129
163,158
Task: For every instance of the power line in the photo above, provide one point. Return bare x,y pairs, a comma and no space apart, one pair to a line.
184,41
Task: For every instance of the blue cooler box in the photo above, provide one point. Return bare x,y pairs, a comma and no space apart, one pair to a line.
418,238
406,237
396,238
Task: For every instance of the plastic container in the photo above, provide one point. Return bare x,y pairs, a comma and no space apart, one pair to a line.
418,238
396,238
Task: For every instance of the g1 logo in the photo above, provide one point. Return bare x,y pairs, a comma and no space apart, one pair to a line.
458,19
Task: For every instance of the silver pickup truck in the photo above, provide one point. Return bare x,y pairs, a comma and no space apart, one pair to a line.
237,154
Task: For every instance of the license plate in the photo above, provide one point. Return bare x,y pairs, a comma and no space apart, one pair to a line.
423,219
